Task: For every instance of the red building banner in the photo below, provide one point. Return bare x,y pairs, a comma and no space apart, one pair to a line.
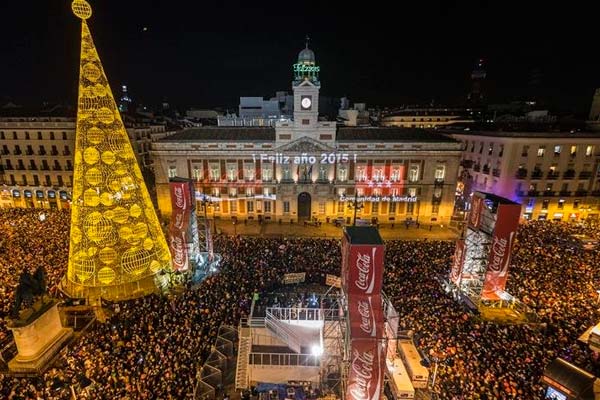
457,263
476,210
503,238
367,365
180,230
179,251
182,196
366,317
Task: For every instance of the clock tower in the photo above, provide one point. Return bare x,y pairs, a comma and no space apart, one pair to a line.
306,87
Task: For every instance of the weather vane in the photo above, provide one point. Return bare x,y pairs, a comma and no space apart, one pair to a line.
81,9
307,40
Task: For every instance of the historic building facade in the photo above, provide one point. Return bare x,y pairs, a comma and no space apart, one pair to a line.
553,175
309,169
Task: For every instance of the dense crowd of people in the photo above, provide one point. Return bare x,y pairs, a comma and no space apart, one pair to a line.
151,348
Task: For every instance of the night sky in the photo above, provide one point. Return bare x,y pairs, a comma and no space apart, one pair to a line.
207,53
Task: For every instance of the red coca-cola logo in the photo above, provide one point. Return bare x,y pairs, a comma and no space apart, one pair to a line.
366,272
179,256
475,212
179,221
500,252
179,197
365,310
457,261
363,365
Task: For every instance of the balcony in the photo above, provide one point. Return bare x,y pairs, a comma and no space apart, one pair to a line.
521,173
496,172
45,168
54,152
486,169
565,193
5,152
533,193
57,168
29,152
476,167
32,168
17,152
8,168
548,193
66,153
21,167
42,153
537,174
438,182
569,174
585,174
553,175
581,192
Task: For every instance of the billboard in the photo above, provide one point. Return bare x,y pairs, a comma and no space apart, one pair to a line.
366,317
457,264
182,229
365,375
499,258
475,213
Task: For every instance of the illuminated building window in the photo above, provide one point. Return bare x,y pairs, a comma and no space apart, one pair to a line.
340,206
557,150
395,192
392,208
322,173
286,206
413,173
197,174
216,192
575,204
410,208
267,206
589,150
215,172
545,204
435,208
217,206
361,174
561,204
549,187
395,175
525,151
267,174
249,172
231,173
286,173
377,192
378,175
360,192
233,206
501,150
491,149
341,191
250,206
541,151
233,192
321,207
437,193
375,207
249,192
440,172
342,174
573,151
258,206
172,171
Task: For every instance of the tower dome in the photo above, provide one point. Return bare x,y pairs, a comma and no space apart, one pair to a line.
306,56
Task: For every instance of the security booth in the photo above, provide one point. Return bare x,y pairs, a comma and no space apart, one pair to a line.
565,381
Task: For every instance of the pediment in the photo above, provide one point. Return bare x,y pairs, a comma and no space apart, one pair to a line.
304,145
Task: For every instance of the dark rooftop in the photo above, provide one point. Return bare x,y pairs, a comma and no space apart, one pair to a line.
249,134
395,134
363,235
550,135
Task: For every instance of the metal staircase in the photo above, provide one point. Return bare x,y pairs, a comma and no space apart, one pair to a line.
283,331
244,346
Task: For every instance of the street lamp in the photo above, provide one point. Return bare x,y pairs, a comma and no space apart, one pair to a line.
356,205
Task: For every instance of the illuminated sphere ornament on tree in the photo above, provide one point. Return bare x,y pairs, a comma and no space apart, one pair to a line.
117,245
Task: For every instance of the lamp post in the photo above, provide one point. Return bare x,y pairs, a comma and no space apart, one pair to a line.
206,202
356,206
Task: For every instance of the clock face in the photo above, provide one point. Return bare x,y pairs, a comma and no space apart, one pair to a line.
306,102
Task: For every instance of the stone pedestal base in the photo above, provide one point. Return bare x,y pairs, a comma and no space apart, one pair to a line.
38,340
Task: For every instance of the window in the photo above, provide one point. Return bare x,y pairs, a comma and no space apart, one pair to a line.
541,151
15,137
64,135
47,179
342,174
250,206
545,204
267,174
66,151
561,204
197,174
440,172
286,206
473,147
51,135
215,173
305,121
410,208
375,207
258,205
413,173
360,174
233,192
557,150
172,171
395,175
378,175
231,173
249,172
573,151
524,151
39,135
549,187
60,180
321,207
491,149
575,204
233,206
286,173
250,192
322,173
267,206
36,180
501,150
481,148
435,208
2,135
392,208
27,135
340,206
589,150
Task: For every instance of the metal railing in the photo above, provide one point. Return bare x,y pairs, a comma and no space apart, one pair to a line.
284,332
285,359
295,314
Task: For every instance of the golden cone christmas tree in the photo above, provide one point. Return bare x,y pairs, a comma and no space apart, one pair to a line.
116,245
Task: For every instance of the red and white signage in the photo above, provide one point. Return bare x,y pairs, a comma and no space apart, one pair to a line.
367,363
181,196
366,317
457,264
179,252
364,269
180,230
500,250
476,210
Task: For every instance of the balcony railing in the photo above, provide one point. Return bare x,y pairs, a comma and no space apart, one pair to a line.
32,168
438,182
42,153
565,193
569,174
548,193
476,167
521,173
21,167
54,152
486,169
585,174
537,174
553,175
533,193
581,193
17,152
29,152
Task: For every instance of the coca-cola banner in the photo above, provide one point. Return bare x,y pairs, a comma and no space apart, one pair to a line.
457,264
182,195
365,376
179,252
500,250
362,261
366,317
475,213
